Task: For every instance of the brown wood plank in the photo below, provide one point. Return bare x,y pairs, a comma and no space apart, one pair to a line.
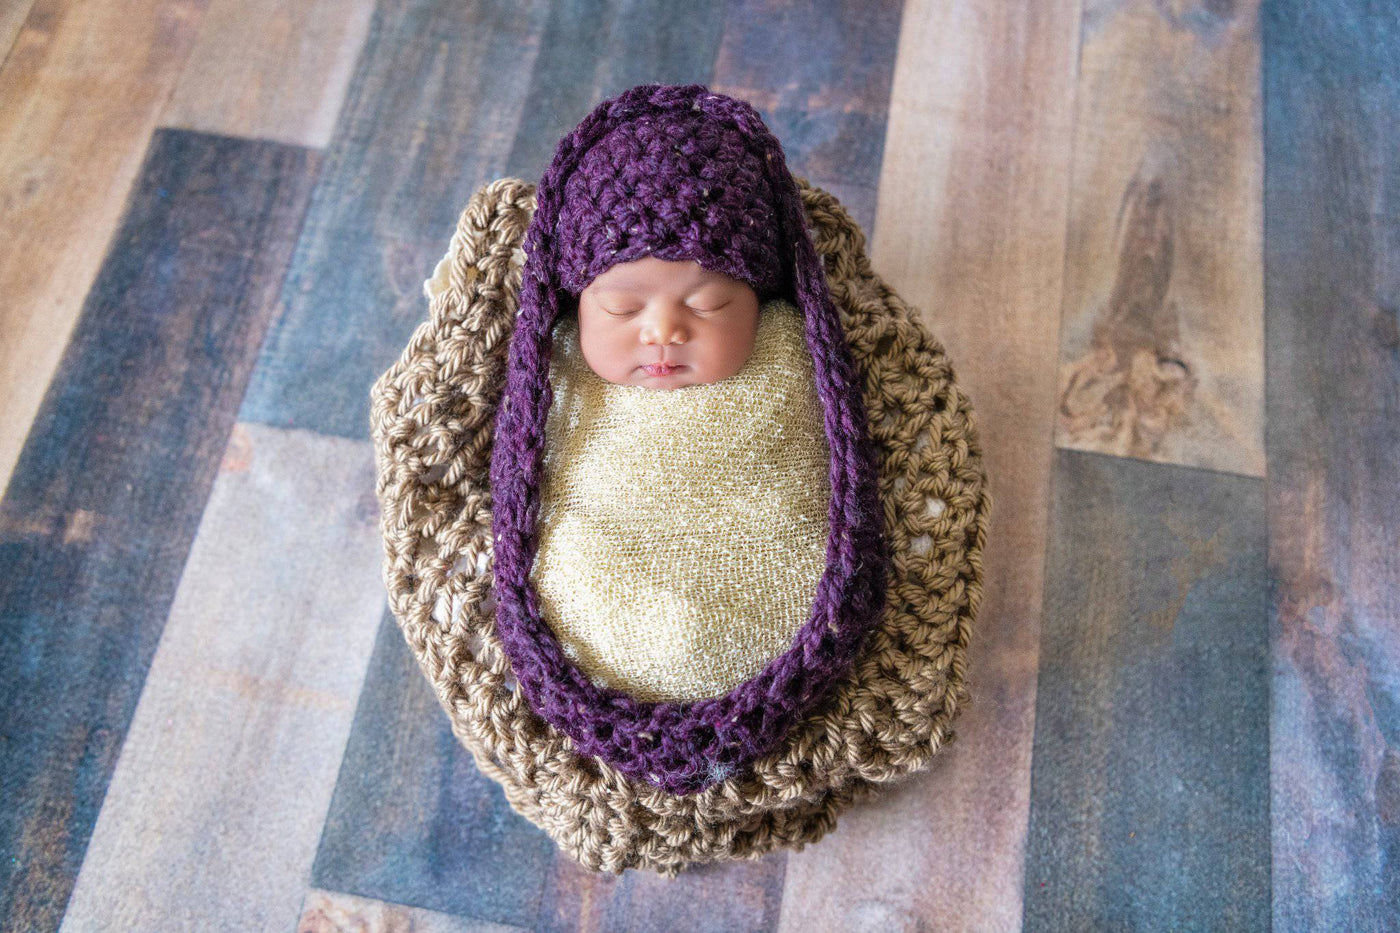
971,230
1162,334
271,69
83,86
1332,239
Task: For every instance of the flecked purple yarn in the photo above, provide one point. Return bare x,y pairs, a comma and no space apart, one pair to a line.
679,172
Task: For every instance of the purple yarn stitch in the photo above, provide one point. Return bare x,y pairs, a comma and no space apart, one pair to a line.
627,162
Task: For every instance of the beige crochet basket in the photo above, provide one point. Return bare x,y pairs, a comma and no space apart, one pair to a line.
432,421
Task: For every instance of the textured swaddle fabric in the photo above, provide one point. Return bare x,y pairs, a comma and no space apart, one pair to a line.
683,531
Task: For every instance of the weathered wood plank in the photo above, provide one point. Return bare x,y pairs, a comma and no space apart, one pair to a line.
82,90
1150,779
1161,341
1332,240
970,229
271,69
213,813
97,521
430,114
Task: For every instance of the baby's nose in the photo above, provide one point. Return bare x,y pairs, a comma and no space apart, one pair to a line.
664,331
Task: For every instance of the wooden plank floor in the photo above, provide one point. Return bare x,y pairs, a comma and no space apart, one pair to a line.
1161,242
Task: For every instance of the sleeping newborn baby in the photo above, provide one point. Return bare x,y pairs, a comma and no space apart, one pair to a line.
684,495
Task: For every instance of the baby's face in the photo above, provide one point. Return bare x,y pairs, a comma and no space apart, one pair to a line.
639,315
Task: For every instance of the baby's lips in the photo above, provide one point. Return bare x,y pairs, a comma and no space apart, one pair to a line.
655,368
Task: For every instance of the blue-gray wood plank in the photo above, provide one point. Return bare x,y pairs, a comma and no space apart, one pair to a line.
593,49
1332,299
1150,771
108,491
820,75
429,116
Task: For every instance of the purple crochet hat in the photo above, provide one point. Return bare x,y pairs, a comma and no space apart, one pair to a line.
681,173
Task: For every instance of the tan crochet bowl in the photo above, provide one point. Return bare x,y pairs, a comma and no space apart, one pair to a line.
432,421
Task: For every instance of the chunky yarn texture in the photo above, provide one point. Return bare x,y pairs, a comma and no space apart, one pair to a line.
432,422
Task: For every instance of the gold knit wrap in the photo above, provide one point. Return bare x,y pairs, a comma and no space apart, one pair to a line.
683,531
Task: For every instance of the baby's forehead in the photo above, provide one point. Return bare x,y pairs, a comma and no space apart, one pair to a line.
649,274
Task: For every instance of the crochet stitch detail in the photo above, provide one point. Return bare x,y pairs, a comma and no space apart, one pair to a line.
431,421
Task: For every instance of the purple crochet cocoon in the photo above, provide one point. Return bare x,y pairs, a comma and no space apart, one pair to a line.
680,173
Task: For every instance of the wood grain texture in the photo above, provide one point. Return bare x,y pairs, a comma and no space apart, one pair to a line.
430,115
98,518
332,912
232,754
970,229
1150,776
270,69
1332,229
1162,326
12,16
82,87
412,820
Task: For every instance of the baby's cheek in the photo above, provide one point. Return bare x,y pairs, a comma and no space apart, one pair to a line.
608,354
